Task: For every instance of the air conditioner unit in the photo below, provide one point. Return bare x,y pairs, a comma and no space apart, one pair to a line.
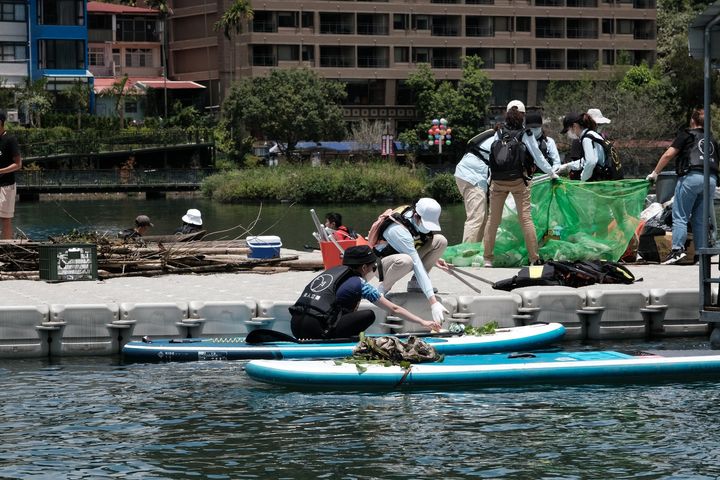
12,116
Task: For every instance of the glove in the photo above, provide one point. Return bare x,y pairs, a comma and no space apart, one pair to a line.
651,177
562,169
438,311
554,176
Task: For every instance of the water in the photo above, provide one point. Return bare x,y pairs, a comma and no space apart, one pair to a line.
291,222
98,418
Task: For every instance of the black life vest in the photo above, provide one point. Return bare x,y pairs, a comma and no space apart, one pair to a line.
398,216
473,145
692,158
319,299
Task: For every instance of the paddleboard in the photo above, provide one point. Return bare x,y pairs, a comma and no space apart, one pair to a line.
492,370
503,340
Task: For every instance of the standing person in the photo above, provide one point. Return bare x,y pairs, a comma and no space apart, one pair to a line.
471,177
409,240
10,162
547,146
582,127
142,225
688,150
510,161
192,222
328,307
599,118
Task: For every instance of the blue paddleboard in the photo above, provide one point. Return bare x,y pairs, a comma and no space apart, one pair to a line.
503,340
492,370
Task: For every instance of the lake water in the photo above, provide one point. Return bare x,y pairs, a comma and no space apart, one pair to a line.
291,222
98,418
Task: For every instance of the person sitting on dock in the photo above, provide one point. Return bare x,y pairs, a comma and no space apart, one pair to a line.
328,307
142,225
334,226
192,222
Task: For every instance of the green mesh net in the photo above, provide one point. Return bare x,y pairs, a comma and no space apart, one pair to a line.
573,220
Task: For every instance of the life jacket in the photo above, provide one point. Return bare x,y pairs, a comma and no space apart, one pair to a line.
344,233
612,168
509,158
693,158
473,145
570,274
398,217
319,299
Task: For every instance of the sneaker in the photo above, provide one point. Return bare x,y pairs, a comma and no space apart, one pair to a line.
413,286
487,264
675,256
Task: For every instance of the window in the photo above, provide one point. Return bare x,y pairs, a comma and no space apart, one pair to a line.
131,106
287,19
100,22
138,57
308,19
400,21
503,55
523,56
402,54
421,55
137,29
421,22
608,26
503,24
308,53
13,52
61,54
608,57
12,11
625,27
288,53
61,12
96,56
522,24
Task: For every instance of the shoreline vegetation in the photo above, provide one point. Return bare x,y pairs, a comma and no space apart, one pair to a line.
334,183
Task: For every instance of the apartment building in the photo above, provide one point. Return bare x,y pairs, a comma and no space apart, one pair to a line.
374,45
13,42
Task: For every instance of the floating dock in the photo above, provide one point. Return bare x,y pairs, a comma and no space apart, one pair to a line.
39,319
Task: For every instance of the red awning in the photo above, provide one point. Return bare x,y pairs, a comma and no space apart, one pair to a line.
142,84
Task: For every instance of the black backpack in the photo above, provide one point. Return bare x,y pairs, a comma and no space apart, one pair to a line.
612,170
509,156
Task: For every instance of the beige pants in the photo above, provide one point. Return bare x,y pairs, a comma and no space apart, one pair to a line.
499,190
397,266
7,201
475,200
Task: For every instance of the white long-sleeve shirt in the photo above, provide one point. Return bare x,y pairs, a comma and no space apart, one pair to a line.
593,154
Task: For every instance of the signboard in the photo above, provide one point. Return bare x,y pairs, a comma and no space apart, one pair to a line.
387,145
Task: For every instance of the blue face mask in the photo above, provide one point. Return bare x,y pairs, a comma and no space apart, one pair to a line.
537,132
420,228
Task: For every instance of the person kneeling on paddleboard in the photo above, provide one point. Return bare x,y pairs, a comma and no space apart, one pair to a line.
328,307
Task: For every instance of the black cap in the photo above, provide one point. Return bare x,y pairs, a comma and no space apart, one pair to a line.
569,119
533,119
359,255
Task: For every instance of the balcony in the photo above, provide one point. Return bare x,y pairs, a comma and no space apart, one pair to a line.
372,29
336,61
549,3
549,32
372,62
645,4
581,33
549,64
582,64
475,31
264,27
264,61
336,28
445,62
641,35
582,3
100,35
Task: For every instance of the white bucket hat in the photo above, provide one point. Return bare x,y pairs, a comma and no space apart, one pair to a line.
429,211
193,217
517,104
597,115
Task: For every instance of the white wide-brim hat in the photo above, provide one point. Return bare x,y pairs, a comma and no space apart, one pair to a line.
597,115
193,217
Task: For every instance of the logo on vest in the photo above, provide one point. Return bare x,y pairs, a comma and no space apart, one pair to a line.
321,283
701,147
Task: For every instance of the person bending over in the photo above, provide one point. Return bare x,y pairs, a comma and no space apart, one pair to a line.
328,307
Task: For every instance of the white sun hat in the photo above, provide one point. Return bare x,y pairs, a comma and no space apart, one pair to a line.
597,115
193,217
429,211
517,104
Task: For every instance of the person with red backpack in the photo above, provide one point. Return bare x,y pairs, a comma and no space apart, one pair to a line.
408,239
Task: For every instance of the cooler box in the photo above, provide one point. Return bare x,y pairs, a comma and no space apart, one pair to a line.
330,253
264,246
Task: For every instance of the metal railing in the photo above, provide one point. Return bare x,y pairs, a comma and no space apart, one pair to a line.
264,61
372,62
336,28
336,61
109,179
473,31
372,29
445,63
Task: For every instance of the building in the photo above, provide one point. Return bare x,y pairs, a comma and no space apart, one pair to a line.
13,43
374,45
126,40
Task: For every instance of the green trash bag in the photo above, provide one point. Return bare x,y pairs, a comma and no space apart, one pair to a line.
573,221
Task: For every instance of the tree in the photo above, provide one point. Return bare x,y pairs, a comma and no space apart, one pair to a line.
119,91
464,105
287,106
234,17
35,99
366,135
79,97
7,94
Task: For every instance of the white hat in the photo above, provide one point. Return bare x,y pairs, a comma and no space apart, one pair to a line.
192,216
597,115
517,104
429,211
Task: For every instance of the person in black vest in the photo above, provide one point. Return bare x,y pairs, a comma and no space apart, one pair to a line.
328,307
10,162
142,225
688,150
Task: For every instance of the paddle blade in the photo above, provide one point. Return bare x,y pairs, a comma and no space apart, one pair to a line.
262,335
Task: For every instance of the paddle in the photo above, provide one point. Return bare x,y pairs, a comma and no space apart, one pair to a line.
262,335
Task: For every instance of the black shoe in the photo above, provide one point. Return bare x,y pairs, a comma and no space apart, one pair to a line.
675,256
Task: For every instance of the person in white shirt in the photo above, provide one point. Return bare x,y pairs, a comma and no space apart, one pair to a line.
548,148
582,127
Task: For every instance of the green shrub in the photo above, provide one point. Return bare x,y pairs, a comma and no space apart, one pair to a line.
442,187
